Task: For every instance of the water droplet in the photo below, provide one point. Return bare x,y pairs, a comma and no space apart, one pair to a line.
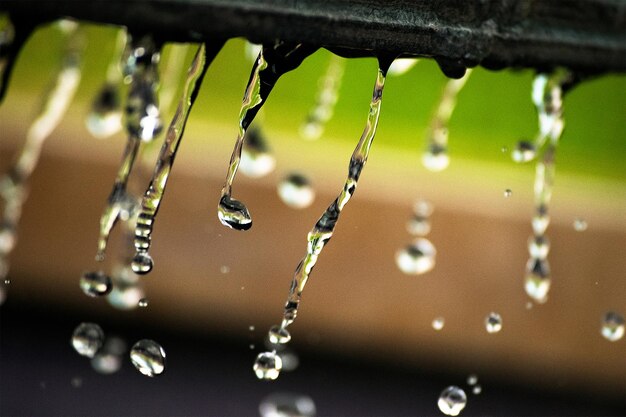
476,390
255,163
538,247
143,303
524,151
580,225
267,365
540,223
125,296
472,379
148,357
296,191
251,346
529,305
251,328
504,149
234,214
508,193
612,326
7,281
401,66
416,258
108,360
436,158
537,282
493,323
452,401
418,226
95,284
105,118
142,263
87,339
77,382
438,323
279,335
287,405
8,238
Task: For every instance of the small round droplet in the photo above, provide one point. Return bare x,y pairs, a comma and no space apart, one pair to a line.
580,225
537,281
524,151
452,401
612,326
142,263
436,159
95,284
234,214
538,247
493,323
296,191
508,193
477,389
417,258
278,335
418,226
267,365
87,339
472,379
251,346
287,405
251,328
143,303
148,357
438,323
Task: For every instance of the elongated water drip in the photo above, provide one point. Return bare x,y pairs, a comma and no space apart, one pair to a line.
142,262
323,230
13,186
436,155
547,95
273,61
325,101
141,69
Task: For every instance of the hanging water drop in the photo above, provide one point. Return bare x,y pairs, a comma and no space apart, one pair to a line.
417,258
452,401
87,339
287,405
256,158
95,284
612,326
267,366
493,323
538,280
296,191
438,323
148,357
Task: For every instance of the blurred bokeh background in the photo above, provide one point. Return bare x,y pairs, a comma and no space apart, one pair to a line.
364,337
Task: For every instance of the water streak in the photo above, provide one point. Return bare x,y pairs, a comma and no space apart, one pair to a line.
14,184
273,61
142,262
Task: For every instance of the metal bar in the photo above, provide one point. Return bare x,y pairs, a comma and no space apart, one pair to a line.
584,35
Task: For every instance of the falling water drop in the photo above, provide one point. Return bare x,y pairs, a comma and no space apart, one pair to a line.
142,262
148,357
524,151
493,323
540,221
580,225
538,247
438,323
95,284
108,360
287,405
452,401
279,335
326,99
472,379
87,339
273,61
267,366
296,191
143,303
538,280
477,389
419,224
436,156
612,326
125,296
508,193
256,158
417,258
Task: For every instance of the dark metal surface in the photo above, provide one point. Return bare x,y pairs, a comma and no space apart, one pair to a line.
586,35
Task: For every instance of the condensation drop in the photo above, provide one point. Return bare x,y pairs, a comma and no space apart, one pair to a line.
612,326
95,284
87,339
148,357
287,405
580,225
438,323
537,281
452,401
296,191
493,323
417,258
524,151
267,365
279,335
538,247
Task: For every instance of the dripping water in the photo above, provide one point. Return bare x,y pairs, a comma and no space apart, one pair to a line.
142,262
14,184
436,157
323,230
273,61
452,401
87,339
148,357
256,158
